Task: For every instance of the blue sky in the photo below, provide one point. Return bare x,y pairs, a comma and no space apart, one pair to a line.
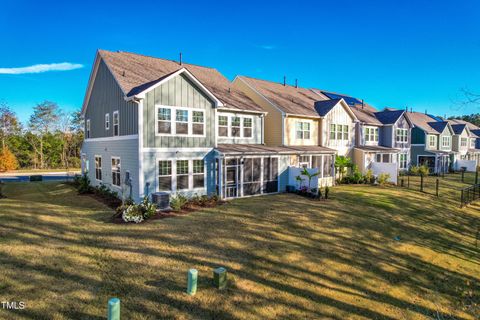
390,53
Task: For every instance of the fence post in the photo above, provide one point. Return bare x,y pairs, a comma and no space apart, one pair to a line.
476,177
402,183
436,186
421,182
461,199
463,175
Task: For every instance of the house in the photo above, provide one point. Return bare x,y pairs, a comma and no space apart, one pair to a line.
466,140
156,125
431,142
396,133
302,117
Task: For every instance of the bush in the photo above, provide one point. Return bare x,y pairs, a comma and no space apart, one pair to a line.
383,178
356,176
149,208
8,161
178,203
369,177
424,171
133,213
82,183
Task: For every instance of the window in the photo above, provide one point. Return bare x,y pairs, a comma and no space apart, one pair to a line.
107,121
198,122
402,161
432,141
303,130
182,174
402,135
445,141
116,123
345,132
463,142
116,181
98,168
87,125
247,127
164,120
235,126
327,166
339,132
223,126
371,134
198,173
472,143
165,175
332,131
304,161
181,122
383,157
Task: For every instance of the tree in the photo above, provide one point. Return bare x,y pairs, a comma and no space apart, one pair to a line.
42,121
9,124
8,161
310,176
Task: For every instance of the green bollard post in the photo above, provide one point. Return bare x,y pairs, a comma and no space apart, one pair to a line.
220,278
192,281
114,309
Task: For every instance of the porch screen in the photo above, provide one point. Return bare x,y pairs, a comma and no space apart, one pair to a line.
327,165
251,176
270,175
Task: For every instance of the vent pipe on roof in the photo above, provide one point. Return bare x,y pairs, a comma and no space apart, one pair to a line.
411,109
425,111
123,73
180,61
363,104
296,83
284,81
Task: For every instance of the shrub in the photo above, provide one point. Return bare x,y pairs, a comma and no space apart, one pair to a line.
423,170
178,203
369,177
383,178
132,213
82,184
8,161
149,208
356,176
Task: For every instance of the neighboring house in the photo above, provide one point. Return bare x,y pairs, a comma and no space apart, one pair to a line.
466,140
301,117
158,125
396,133
431,142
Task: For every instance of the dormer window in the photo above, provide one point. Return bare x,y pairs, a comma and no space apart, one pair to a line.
432,141
472,143
402,135
463,142
445,141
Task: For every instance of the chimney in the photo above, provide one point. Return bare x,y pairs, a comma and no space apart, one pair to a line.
180,61
284,81
296,83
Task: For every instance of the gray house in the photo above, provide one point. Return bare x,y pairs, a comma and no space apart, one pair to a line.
159,125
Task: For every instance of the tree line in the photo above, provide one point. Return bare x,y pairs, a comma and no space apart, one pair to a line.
51,138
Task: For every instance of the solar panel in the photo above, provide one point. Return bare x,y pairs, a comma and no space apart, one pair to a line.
349,100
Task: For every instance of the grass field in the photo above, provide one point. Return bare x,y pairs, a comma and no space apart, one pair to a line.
368,253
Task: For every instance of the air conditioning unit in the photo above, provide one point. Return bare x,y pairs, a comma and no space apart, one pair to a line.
162,200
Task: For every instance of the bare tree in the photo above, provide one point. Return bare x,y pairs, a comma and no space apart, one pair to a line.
9,123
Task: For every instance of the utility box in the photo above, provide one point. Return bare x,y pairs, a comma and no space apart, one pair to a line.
220,278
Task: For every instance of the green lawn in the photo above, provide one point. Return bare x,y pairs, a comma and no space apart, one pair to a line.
287,257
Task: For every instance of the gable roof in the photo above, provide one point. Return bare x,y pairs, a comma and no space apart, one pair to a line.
351,101
458,127
367,116
438,126
137,73
389,116
289,99
471,127
476,133
324,106
422,121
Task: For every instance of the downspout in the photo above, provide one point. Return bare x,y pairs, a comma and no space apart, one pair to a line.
263,128
284,116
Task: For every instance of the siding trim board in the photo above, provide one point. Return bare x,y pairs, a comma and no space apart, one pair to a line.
127,137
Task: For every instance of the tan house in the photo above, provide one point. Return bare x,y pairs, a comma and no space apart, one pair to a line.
302,117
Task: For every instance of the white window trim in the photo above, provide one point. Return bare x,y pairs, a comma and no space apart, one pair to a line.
400,161
229,125
336,131
375,134
111,171
446,138
158,175
472,143
107,121
88,129
174,175
101,167
434,141
113,120
462,140
404,136
173,116
303,131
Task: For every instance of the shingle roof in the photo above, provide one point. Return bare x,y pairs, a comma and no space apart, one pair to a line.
421,121
262,149
289,99
389,116
324,107
438,126
476,132
458,128
377,149
351,101
470,125
365,115
135,73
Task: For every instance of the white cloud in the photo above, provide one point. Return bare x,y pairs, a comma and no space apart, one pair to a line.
267,47
38,68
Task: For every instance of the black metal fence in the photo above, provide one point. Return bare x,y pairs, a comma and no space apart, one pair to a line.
469,194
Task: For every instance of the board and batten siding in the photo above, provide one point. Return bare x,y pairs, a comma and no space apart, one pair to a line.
402,123
177,92
273,120
446,133
338,115
106,97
